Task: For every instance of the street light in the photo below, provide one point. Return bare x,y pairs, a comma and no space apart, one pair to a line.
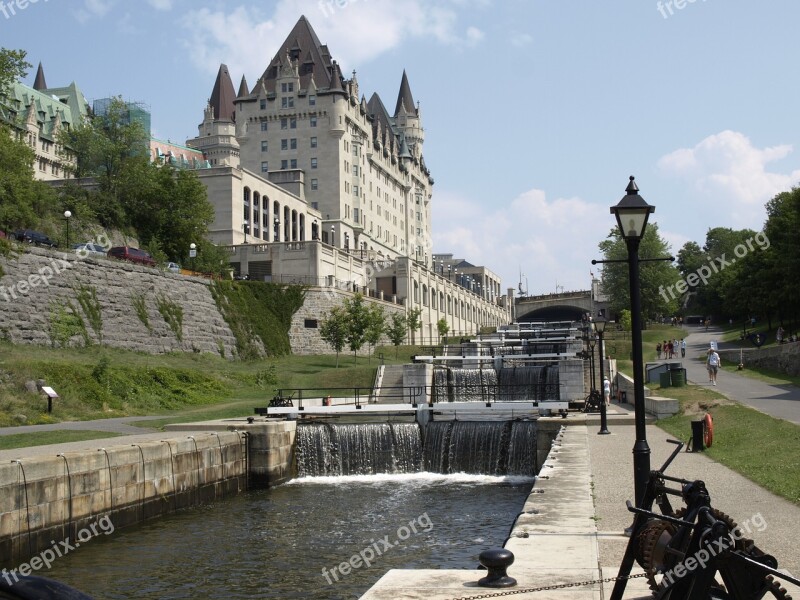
277,229
346,241
67,215
333,229
314,234
192,253
632,213
600,327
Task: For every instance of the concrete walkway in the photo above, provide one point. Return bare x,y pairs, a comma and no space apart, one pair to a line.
780,401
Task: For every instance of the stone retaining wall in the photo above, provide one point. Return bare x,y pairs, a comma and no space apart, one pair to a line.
51,499
38,285
783,359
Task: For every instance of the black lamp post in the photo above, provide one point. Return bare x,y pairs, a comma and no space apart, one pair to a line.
632,213
314,230
277,229
600,327
192,253
67,216
592,341
346,241
333,229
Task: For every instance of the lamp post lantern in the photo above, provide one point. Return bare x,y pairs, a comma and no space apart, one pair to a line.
277,229
333,229
632,213
67,216
600,327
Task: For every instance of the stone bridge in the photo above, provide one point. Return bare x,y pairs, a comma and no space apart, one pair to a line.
566,306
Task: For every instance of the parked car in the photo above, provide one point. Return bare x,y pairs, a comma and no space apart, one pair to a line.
29,236
88,249
172,267
133,255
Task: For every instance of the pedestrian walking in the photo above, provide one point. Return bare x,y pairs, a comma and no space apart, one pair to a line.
607,391
712,364
683,348
658,350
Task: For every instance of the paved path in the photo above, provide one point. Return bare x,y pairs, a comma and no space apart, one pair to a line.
117,425
780,401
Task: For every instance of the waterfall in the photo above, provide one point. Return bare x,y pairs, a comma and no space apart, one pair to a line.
486,448
357,449
473,385
528,383
441,391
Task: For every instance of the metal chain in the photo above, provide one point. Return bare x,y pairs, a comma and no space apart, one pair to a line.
559,586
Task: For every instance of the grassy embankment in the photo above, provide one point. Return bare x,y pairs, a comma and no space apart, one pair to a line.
96,383
763,449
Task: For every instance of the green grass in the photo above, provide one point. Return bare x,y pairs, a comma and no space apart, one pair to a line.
765,375
41,438
763,449
95,383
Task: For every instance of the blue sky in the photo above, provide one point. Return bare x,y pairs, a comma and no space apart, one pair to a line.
536,111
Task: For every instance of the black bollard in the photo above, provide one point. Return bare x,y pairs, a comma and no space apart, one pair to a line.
497,560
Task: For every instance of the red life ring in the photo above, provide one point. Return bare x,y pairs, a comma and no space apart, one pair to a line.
708,430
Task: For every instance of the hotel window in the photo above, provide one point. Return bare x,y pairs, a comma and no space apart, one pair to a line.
284,123
312,100
293,144
313,163
355,170
313,142
355,190
314,185
312,121
355,215
287,87
264,145
287,102
293,163
284,164
263,104
263,125
292,123
264,166
284,144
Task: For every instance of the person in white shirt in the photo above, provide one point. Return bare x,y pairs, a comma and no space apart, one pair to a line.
712,364
607,391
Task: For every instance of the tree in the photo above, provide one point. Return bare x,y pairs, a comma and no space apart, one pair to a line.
13,67
442,327
658,279
334,330
414,321
357,322
396,332
625,320
376,325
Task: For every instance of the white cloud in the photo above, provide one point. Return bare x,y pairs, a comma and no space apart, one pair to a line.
161,4
357,31
521,40
551,241
92,9
730,175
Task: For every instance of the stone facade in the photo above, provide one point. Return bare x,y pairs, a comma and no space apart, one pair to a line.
304,331
38,284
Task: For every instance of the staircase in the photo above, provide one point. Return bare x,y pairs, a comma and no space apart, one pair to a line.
390,391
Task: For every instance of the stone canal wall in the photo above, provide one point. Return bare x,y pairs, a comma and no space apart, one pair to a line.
56,298
47,500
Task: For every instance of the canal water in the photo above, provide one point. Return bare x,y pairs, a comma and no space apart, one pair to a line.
290,541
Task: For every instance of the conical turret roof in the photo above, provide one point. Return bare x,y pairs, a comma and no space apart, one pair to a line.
223,95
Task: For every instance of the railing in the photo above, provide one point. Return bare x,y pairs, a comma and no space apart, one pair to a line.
414,395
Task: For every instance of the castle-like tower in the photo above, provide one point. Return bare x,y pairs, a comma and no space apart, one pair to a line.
362,167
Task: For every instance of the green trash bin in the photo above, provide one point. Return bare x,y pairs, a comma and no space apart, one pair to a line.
678,377
664,379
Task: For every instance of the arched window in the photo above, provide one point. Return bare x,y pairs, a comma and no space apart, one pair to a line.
416,293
